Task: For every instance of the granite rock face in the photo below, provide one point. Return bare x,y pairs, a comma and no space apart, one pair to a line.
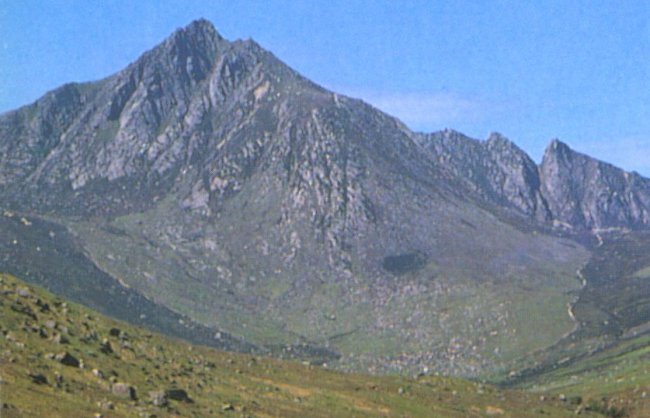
496,169
569,189
586,193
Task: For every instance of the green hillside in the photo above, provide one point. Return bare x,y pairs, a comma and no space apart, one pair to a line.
617,378
60,359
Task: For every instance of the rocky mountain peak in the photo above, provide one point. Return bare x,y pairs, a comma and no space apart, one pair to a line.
200,34
199,28
497,138
557,149
587,193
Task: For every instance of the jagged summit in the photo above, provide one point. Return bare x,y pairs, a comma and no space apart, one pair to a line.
497,137
200,25
557,147
198,33
584,192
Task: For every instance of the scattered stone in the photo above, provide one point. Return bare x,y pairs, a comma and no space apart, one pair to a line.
124,390
178,395
227,407
23,292
158,398
61,339
90,337
98,373
7,406
38,378
106,347
493,410
44,306
51,324
108,405
67,359
18,307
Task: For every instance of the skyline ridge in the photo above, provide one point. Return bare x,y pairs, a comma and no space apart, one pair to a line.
553,78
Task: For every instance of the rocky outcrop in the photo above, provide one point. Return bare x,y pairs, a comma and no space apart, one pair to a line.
496,169
569,189
586,193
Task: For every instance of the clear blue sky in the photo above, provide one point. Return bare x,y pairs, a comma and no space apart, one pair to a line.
532,70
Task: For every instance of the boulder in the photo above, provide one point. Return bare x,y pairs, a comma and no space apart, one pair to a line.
178,395
124,390
106,347
38,378
67,359
158,398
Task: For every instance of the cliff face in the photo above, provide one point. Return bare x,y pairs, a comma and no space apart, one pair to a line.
496,169
569,189
584,192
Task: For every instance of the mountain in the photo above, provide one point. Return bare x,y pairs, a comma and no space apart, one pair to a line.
215,182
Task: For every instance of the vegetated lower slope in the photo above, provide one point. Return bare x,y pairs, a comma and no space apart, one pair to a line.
607,359
59,359
616,379
49,256
611,309
215,181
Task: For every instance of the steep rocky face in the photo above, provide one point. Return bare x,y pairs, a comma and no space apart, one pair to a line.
586,193
130,135
569,189
496,169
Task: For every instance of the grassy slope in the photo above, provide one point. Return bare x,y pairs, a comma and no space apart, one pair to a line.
219,383
618,377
